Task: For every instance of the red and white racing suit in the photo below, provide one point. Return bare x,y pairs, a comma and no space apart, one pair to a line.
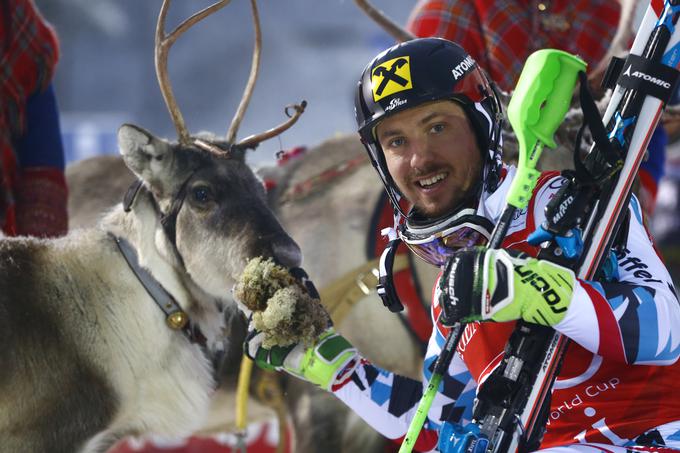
619,374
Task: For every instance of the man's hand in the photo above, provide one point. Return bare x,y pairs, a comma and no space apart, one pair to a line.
328,363
480,284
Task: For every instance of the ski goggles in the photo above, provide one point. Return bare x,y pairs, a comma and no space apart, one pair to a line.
435,244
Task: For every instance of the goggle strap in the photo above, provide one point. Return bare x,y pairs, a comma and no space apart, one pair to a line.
390,232
385,287
397,217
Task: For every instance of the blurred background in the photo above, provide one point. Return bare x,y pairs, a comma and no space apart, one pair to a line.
312,50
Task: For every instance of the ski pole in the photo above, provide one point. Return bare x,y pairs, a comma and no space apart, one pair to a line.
537,108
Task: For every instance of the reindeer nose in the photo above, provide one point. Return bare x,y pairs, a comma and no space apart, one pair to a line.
287,252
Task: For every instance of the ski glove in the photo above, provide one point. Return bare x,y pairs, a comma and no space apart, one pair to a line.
328,363
480,284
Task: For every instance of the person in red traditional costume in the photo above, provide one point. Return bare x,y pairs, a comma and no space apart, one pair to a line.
32,185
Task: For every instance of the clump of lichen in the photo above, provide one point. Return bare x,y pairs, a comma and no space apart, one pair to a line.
282,308
260,280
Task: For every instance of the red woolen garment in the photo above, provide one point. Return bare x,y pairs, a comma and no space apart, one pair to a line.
32,200
501,34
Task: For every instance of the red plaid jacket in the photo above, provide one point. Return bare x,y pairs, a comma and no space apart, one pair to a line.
501,34
32,197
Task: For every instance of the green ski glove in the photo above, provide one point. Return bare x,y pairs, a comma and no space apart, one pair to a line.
328,363
480,284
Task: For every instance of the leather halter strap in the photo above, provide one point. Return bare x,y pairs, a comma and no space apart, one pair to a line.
175,317
169,219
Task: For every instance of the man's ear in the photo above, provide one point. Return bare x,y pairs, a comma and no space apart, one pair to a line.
149,157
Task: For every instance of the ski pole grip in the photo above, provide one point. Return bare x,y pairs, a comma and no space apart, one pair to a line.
539,103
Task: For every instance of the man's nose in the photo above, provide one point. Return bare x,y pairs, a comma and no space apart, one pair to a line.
420,153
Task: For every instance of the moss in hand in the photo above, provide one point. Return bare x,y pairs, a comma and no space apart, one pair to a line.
261,279
282,308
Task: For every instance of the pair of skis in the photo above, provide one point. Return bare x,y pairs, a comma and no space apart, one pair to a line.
582,222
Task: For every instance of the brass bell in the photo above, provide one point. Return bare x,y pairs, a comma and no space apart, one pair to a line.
177,320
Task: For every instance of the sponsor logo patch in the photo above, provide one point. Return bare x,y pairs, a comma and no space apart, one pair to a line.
396,102
463,67
391,77
635,265
647,78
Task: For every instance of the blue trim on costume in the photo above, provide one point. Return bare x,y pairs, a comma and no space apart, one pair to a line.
667,353
40,145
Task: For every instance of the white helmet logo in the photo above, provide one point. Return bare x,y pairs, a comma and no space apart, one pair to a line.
462,67
394,103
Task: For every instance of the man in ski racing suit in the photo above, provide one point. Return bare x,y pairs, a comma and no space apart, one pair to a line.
430,121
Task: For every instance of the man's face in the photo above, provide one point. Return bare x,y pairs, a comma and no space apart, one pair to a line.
432,155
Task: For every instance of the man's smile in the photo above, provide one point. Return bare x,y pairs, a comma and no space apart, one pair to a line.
430,181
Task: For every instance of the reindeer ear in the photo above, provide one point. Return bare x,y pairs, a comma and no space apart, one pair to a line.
149,157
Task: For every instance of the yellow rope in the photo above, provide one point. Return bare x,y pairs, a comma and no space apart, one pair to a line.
242,392
270,393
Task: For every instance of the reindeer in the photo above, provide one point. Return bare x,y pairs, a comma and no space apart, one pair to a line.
110,330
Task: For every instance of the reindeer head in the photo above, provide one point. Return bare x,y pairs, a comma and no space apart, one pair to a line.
212,207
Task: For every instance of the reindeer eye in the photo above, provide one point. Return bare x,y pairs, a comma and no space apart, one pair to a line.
201,194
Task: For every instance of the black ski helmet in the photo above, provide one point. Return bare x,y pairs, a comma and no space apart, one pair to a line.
424,70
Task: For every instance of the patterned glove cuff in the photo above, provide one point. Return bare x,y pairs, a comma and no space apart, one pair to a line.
330,360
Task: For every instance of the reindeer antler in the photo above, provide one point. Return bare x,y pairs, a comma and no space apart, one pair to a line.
254,139
391,27
165,41
273,132
163,44
250,85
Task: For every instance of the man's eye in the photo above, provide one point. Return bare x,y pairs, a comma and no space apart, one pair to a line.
437,128
201,194
397,142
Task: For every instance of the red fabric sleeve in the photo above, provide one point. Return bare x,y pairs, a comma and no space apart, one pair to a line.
41,198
